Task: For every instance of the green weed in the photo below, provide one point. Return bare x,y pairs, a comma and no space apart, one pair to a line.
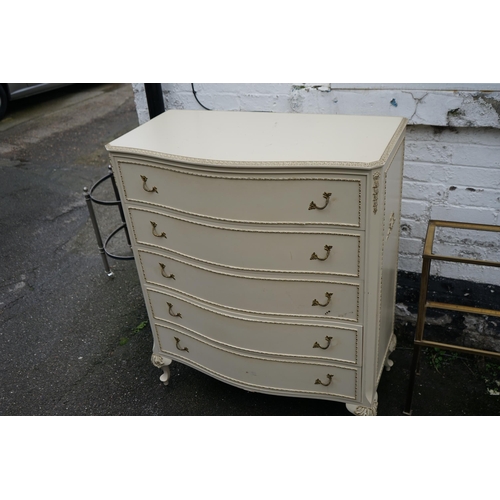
137,329
439,358
140,327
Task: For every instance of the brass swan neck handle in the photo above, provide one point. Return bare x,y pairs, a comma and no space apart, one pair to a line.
170,306
313,205
145,186
314,256
329,377
328,295
162,235
328,342
163,273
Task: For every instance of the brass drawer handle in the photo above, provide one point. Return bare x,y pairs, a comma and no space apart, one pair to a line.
328,341
330,377
145,187
313,205
162,235
163,272
328,295
177,341
315,257
178,315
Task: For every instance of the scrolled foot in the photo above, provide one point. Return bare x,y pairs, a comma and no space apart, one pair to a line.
388,363
364,411
166,375
163,363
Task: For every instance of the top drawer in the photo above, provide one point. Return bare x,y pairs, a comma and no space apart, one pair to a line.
253,198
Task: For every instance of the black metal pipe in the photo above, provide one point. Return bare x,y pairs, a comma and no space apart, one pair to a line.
154,96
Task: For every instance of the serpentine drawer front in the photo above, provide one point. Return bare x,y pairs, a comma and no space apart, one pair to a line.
258,373
242,198
262,295
240,246
267,246
282,337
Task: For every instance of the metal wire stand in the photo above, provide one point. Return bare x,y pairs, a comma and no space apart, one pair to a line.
90,199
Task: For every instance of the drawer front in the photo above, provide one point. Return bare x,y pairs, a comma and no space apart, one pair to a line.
245,249
256,373
276,296
260,336
253,199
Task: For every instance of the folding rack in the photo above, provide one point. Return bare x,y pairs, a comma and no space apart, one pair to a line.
424,304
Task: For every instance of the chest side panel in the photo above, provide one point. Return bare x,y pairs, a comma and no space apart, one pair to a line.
389,256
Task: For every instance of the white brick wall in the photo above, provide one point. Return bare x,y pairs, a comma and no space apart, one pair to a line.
452,160
452,175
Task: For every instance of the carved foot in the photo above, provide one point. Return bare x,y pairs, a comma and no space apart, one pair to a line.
163,363
364,411
388,363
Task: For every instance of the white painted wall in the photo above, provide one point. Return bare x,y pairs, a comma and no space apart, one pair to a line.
452,160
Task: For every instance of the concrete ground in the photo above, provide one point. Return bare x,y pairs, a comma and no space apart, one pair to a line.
75,342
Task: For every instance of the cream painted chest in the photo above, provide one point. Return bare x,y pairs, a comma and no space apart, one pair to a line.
267,246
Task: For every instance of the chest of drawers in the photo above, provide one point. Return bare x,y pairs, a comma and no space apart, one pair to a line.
267,245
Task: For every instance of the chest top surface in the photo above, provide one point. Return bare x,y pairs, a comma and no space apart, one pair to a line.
260,138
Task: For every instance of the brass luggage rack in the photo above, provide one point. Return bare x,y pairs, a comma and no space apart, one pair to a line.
424,304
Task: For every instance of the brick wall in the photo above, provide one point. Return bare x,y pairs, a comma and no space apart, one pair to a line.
452,160
451,174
